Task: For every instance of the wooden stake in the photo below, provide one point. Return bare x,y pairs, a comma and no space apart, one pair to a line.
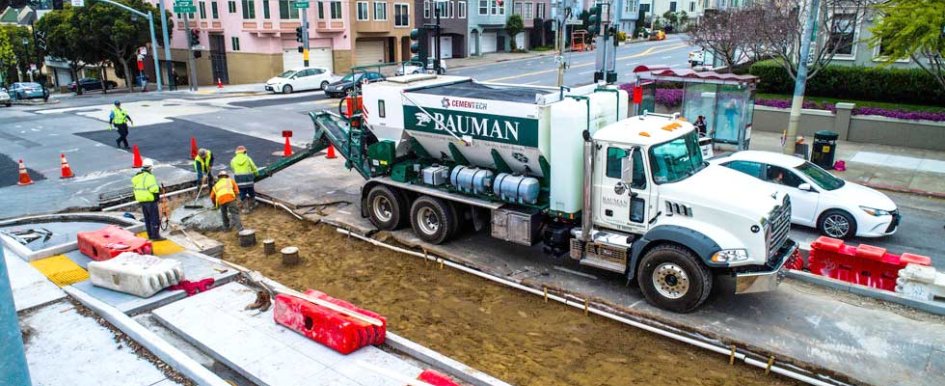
247,238
731,358
586,308
269,247
546,293
290,256
770,362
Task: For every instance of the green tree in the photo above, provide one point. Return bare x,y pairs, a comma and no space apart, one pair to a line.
514,26
671,18
69,39
7,57
122,33
912,29
25,53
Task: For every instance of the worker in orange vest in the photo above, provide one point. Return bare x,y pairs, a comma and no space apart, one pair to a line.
223,196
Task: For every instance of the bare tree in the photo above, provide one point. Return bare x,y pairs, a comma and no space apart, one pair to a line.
727,33
781,25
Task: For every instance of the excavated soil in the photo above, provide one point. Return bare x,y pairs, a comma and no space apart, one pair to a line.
506,333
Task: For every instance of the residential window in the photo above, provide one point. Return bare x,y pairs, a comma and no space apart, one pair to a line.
517,8
462,9
483,7
401,15
495,8
231,6
235,43
265,6
426,9
842,31
445,8
202,7
363,10
628,6
692,7
540,11
672,6
214,11
321,9
528,11
336,10
287,10
380,10
645,8
249,9
452,10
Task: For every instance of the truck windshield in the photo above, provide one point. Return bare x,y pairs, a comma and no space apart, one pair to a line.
677,159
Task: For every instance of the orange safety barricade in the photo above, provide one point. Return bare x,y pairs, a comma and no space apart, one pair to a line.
864,264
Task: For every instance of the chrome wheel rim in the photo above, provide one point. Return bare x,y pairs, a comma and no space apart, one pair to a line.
427,221
383,210
671,281
836,226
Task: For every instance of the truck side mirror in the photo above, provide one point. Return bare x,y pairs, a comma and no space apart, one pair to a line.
626,167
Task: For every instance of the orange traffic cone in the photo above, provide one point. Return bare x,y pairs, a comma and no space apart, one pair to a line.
287,149
219,83
24,175
136,161
331,152
193,147
66,170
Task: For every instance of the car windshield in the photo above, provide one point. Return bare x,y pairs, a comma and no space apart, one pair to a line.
287,74
349,77
677,159
820,176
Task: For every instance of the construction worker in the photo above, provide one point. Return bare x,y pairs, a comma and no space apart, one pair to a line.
203,165
119,119
146,192
245,172
223,196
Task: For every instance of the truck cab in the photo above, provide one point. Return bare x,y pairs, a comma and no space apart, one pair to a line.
657,211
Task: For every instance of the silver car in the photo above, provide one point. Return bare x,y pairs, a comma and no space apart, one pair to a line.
5,97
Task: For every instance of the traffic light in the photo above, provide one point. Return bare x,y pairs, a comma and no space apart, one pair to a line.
593,20
194,37
298,34
417,45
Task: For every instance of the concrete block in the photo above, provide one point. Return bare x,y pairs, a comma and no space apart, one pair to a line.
132,273
921,283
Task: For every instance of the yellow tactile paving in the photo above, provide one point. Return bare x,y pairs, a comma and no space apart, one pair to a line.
163,248
61,270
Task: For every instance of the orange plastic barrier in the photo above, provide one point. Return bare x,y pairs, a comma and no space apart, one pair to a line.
864,264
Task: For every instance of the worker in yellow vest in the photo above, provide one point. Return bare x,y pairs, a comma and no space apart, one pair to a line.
203,165
223,196
245,172
146,192
119,119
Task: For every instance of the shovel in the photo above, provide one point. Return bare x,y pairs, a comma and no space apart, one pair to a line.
195,205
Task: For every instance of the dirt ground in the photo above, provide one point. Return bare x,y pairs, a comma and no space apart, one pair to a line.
506,333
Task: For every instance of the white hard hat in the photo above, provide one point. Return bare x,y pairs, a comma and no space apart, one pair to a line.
147,163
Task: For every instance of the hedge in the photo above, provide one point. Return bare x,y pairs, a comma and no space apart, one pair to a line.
879,84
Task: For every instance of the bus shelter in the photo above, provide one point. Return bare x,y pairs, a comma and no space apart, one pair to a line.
725,100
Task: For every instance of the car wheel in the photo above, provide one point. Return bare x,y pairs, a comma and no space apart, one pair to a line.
672,278
837,224
287,89
8,104
324,85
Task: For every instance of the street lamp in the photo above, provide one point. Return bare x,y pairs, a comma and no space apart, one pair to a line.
26,48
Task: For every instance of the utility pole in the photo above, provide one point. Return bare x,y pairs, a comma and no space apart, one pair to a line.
562,19
436,34
305,36
191,61
171,82
800,84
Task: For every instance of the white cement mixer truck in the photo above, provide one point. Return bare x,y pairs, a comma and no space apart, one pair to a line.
568,169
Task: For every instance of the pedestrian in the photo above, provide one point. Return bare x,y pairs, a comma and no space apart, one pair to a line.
119,119
245,172
223,196
701,126
203,165
147,192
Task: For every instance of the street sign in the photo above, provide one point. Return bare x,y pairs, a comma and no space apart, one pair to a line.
186,9
301,4
78,3
183,3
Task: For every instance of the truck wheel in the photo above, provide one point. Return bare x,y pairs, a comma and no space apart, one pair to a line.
672,278
432,219
387,208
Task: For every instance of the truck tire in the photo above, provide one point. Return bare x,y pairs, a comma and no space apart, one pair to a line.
672,278
387,208
432,219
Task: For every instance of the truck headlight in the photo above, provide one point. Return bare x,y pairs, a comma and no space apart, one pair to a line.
874,211
730,256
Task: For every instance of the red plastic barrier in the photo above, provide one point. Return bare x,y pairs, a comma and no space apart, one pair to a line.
338,331
193,287
864,264
111,241
436,378
795,262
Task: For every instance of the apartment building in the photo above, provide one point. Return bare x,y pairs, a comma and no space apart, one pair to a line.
625,13
248,41
454,24
693,8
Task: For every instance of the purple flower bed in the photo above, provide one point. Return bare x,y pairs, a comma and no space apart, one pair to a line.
878,111
669,97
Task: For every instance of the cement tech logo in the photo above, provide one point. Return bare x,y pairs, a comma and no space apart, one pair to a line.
446,103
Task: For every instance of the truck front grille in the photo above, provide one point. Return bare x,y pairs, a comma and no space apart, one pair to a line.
778,227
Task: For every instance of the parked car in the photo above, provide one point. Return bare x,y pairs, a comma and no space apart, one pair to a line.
27,90
350,82
89,84
696,58
837,208
5,98
299,79
416,68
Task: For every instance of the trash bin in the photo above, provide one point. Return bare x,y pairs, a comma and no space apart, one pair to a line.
825,147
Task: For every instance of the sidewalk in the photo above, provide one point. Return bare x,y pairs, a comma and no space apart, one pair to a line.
897,169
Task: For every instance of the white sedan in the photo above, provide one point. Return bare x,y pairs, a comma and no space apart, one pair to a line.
305,78
5,98
837,208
